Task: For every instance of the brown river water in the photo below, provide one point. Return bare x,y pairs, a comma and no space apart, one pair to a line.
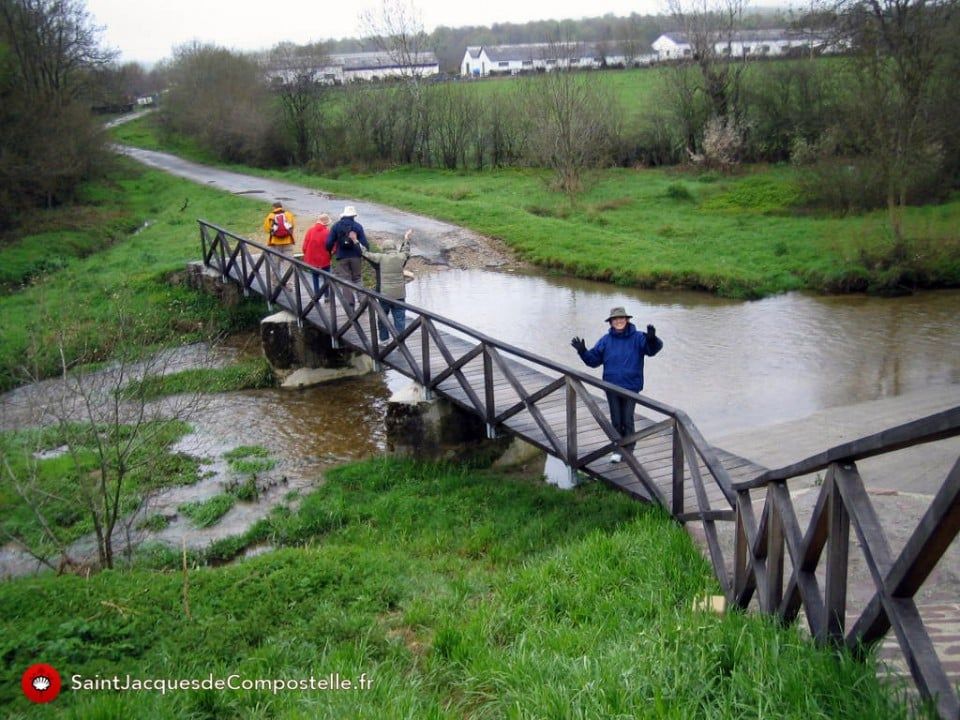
731,365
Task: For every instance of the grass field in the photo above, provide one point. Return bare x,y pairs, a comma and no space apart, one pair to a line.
459,593
115,253
739,235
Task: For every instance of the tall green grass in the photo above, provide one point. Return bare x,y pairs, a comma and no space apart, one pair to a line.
460,593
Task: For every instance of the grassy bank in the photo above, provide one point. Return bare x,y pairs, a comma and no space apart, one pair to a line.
737,236
459,593
75,271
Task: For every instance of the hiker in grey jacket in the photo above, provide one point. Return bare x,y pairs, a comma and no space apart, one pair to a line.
390,280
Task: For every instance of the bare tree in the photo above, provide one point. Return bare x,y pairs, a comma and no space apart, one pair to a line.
396,29
575,123
709,27
220,98
901,89
504,127
54,42
451,122
299,86
49,143
114,437
629,40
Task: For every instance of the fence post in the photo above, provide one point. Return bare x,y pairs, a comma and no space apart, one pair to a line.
838,544
571,401
490,410
677,499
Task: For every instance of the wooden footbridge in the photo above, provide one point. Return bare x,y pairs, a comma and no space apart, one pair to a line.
775,564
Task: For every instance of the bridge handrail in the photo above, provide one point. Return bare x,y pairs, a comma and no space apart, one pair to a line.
941,425
842,502
690,435
533,357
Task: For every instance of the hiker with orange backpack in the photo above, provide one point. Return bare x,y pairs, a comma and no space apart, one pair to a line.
279,225
279,228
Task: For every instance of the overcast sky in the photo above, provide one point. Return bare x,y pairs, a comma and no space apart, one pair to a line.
147,31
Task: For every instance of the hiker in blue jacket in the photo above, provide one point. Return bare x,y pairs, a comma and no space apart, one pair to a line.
621,353
345,241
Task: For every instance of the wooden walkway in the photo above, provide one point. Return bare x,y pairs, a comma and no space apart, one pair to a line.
785,568
515,391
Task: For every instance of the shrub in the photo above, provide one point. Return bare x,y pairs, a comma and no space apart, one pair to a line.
679,191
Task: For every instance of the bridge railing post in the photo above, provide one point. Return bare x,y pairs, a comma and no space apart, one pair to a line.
678,489
221,256
244,270
425,372
203,243
571,408
298,294
374,334
489,399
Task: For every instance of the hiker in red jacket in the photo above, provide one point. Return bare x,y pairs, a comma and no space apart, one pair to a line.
315,251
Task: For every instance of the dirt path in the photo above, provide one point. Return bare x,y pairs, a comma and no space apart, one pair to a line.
436,244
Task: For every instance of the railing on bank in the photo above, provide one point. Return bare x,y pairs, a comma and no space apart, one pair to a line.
446,351
759,561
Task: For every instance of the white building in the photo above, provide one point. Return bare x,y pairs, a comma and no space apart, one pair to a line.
353,67
742,43
379,66
484,60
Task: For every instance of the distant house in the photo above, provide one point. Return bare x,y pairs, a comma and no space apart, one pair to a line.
742,43
354,67
379,66
485,60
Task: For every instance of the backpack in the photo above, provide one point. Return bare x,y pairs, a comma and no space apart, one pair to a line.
279,227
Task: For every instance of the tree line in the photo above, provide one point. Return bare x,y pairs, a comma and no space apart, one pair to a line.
872,126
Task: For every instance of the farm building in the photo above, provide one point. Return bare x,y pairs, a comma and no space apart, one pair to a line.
484,60
352,67
742,43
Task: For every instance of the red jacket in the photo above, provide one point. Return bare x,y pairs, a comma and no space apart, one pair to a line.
315,251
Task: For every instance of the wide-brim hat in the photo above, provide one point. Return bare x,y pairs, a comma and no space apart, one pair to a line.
349,211
618,312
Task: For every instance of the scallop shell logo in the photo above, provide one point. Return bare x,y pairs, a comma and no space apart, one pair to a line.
40,683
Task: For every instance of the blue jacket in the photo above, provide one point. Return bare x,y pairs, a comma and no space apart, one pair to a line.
338,238
621,355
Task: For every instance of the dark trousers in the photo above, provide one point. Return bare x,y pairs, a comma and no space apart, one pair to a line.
316,284
349,269
621,415
399,318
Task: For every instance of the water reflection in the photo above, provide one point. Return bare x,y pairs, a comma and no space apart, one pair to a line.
731,365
